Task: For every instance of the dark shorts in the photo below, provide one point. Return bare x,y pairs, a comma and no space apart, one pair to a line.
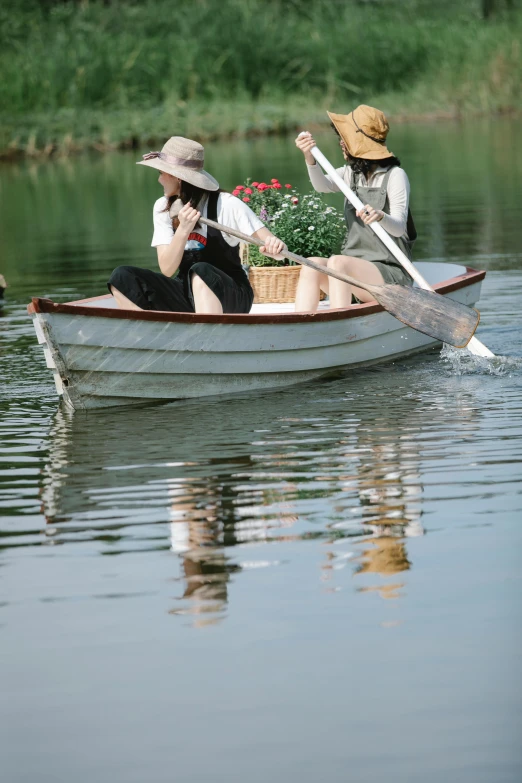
154,291
393,273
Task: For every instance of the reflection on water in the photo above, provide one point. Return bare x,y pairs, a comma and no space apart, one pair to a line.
242,477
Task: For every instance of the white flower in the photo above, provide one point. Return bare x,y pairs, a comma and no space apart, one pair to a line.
311,228
296,230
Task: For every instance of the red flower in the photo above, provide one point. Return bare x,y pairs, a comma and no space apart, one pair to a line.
273,181
255,184
262,186
240,187
236,192
295,200
248,190
245,198
277,186
288,186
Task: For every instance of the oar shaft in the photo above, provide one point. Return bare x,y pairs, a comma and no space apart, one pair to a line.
288,254
475,346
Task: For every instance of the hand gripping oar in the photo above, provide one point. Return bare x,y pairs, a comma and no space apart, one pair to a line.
442,319
474,345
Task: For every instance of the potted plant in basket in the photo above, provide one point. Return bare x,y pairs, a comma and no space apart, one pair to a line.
305,223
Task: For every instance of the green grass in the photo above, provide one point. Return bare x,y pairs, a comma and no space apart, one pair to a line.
76,75
72,130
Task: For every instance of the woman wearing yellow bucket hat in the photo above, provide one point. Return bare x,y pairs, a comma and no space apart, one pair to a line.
374,173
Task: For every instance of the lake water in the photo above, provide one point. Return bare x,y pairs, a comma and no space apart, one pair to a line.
321,584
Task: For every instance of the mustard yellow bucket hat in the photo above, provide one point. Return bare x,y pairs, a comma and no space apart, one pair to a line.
364,132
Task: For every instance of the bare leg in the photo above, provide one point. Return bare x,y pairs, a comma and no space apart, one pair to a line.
205,300
122,301
365,271
309,287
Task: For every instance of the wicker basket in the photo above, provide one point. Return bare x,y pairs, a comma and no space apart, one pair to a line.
276,284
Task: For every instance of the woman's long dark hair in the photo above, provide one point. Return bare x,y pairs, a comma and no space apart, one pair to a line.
364,165
188,194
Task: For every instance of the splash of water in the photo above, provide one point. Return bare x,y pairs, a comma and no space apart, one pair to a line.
462,362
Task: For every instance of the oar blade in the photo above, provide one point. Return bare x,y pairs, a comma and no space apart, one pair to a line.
430,313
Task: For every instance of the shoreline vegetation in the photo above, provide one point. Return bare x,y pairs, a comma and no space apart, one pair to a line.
121,74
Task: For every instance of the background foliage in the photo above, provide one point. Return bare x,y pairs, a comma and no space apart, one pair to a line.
113,73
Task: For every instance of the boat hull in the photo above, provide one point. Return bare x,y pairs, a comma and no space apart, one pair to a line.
101,358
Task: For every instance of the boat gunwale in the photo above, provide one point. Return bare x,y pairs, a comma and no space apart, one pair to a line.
44,305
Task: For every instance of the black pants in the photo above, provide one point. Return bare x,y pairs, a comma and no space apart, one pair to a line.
154,291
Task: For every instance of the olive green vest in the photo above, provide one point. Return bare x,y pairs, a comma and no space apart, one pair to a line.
360,240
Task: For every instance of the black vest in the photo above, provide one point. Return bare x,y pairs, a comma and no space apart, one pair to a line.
217,251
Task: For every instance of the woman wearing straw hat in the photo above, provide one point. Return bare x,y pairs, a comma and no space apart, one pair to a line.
374,173
210,278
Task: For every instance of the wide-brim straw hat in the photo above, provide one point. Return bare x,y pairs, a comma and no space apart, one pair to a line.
364,132
182,158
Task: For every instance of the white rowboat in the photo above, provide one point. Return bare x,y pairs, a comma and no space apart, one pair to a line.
102,356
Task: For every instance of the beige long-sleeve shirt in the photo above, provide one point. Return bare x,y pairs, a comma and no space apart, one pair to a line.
398,191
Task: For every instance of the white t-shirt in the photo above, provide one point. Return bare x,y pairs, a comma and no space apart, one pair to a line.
231,212
398,191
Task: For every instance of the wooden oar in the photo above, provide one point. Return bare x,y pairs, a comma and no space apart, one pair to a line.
473,345
427,312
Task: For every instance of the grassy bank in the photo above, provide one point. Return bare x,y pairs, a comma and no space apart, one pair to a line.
106,75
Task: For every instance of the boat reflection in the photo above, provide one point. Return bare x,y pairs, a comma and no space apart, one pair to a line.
389,488
212,482
197,534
